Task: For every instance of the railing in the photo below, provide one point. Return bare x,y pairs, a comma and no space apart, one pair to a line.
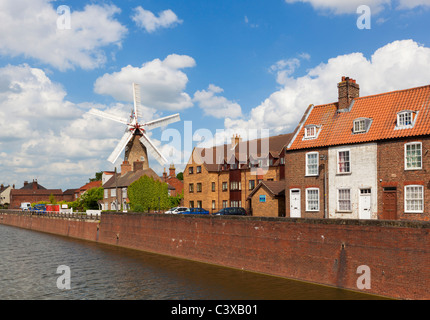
53,214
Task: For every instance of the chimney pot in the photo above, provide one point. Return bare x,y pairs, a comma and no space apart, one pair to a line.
348,90
125,167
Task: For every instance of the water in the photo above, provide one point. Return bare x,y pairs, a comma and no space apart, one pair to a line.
29,262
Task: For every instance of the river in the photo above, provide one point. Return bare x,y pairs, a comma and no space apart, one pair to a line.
29,263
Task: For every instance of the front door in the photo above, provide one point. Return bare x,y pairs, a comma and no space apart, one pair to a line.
364,211
389,204
295,203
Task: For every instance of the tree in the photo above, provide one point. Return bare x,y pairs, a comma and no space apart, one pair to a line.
180,176
98,176
147,194
89,200
52,199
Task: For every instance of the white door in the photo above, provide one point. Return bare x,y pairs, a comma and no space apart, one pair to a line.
295,203
364,211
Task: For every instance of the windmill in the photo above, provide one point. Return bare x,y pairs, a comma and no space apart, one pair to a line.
135,141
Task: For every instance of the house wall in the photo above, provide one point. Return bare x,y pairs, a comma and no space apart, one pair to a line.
392,173
296,178
273,207
363,174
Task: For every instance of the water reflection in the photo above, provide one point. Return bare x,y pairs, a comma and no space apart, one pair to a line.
29,262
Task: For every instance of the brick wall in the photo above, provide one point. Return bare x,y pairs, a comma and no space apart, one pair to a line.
273,207
295,178
392,174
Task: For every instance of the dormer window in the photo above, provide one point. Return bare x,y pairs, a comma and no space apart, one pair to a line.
311,131
406,119
361,125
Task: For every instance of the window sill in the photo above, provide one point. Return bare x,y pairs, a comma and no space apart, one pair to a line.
312,175
343,173
414,212
343,212
413,169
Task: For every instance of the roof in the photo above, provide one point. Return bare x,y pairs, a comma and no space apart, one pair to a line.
17,192
129,178
90,185
70,191
29,186
381,109
275,188
214,157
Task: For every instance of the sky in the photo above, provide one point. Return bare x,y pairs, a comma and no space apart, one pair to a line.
227,66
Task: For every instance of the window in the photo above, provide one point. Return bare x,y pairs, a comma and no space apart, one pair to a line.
312,164
199,187
235,204
263,163
361,125
235,185
344,200
282,160
311,132
190,170
224,203
405,119
224,186
191,188
106,193
413,156
199,169
199,204
113,192
124,193
213,204
343,161
312,199
191,204
213,186
233,166
251,184
414,199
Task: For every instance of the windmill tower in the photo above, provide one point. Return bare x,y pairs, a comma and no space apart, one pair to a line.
135,141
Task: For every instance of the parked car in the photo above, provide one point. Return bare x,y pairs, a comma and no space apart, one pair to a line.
25,206
177,210
196,211
231,212
40,208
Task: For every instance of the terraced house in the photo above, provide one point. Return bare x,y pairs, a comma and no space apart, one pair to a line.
362,157
226,175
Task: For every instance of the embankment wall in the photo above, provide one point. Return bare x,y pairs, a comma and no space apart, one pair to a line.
396,253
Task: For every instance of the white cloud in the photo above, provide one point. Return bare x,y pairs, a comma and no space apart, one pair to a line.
344,7
410,4
397,65
28,28
162,83
217,106
147,20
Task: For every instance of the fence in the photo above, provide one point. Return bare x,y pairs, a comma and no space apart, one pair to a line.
54,214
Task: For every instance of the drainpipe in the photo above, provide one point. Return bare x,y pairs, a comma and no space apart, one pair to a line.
324,158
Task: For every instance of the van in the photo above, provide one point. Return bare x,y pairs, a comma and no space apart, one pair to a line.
25,206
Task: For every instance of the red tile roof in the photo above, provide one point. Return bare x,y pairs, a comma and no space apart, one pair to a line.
382,109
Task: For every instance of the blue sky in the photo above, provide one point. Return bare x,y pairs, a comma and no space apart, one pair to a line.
226,65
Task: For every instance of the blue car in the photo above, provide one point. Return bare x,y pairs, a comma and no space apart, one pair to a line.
196,211
39,208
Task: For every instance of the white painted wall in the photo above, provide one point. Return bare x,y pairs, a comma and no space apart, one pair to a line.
363,174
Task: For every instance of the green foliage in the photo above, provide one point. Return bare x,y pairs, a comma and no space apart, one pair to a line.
147,194
180,176
52,199
89,199
98,176
176,200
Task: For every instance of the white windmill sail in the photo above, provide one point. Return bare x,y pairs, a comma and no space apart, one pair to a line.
137,102
106,115
152,149
120,146
162,122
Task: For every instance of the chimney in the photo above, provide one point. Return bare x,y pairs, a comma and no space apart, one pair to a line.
164,175
348,90
125,167
235,139
137,165
34,184
25,183
172,171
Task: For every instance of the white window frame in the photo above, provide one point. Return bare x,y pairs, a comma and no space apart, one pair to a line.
361,124
414,199
338,200
349,161
406,155
106,193
318,199
401,118
113,192
311,132
307,164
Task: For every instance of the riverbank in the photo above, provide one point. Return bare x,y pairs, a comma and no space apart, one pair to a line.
390,257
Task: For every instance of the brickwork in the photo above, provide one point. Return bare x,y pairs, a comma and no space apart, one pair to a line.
393,175
271,207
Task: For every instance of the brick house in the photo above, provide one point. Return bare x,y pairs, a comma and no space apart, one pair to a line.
90,185
176,186
268,199
115,188
362,157
224,176
33,192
